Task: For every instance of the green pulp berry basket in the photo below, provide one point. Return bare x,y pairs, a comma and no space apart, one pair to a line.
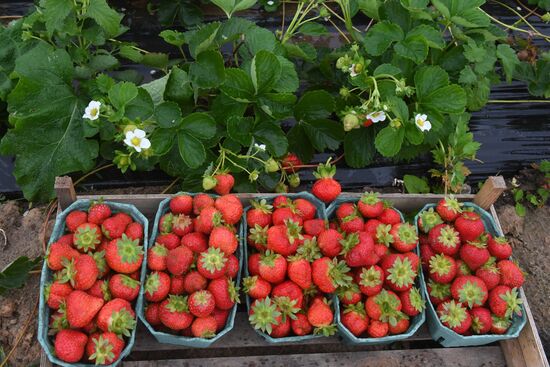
416,321
47,274
168,338
445,336
321,213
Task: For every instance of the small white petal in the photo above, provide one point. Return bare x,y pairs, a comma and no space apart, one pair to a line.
259,146
270,2
129,135
128,142
427,126
145,143
377,116
138,133
138,149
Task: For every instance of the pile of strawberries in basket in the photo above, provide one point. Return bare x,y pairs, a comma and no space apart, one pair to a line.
96,269
189,288
472,283
379,249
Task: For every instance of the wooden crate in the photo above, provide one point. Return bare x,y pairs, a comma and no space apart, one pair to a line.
242,346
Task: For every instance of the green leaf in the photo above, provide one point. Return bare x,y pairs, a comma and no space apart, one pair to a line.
389,140
416,185
399,108
122,93
265,71
55,13
173,37
208,71
413,48
313,29
240,129
467,76
191,149
156,88
203,39
518,194
257,39
520,210
449,99
313,105
386,69
103,62
162,140
130,53
288,82
107,18
359,147
178,87
273,137
370,8
140,107
277,105
381,36
324,134
430,78
155,60
238,85
15,274
303,51
168,114
299,143
442,8
509,60
231,6
200,125
433,37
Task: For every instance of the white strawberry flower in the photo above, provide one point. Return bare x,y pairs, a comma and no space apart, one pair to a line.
92,110
259,146
352,72
422,122
137,140
377,116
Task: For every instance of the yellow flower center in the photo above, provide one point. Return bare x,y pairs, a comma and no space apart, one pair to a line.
420,122
136,141
94,112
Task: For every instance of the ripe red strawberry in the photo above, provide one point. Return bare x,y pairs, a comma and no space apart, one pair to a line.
74,219
209,218
329,242
283,239
201,201
426,253
195,241
438,292
254,264
500,325
369,205
177,285
204,327
66,239
59,253
290,161
98,212
371,226
225,293
499,247
82,308
181,204
258,237
504,301
281,328
300,325
134,231
305,209
87,237
329,274
194,281
412,302
404,237
113,227
272,267
281,201
282,215
201,303
224,239
256,287
490,274
233,266
474,253
230,208
156,257
81,272
174,313
400,327
124,218
211,264
355,319
168,240
179,260
356,248
157,286
510,274
299,271
346,210
378,329
314,227
390,216
454,316
469,225
69,345
428,219
349,295
320,316
291,290
370,280
481,320
399,273
56,292
326,188
152,314
104,348
182,225
117,316
462,268
224,183
221,317
385,306
100,289
122,286
449,209
442,268
124,255
469,290
444,239
352,223
259,214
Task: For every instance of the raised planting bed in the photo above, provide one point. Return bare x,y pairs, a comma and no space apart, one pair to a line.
243,346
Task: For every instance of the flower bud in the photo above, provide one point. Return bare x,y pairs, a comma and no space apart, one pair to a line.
396,123
253,176
344,92
209,182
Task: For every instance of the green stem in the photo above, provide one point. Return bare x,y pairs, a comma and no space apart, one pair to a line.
518,14
547,38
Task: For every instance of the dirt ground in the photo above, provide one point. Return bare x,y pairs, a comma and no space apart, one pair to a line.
22,226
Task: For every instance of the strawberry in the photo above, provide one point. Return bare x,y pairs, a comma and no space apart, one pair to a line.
390,216
259,214
320,316
377,329
449,209
211,264
168,240
426,253
305,209
181,204
182,225
124,218
469,225
258,237
230,208
349,295
117,316
221,317
272,267
404,237
355,319
500,325
201,303
462,268
58,320
82,308
299,271
399,273
66,239
74,219
314,227
195,241
224,183
256,287
490,274
282,215
124,255
81,272
56,292
442,268
385,306
346,210
179,260
283,239
291,290
204,327
177,285
156,257
225,293
281,201
329,242
224,239
413,258
254,264
134,231
428,219
233,266
474,253
122,286
371,226
201,201
166,222
400,327
290,161
329,274
174,313
288,308
382,235
481,320
510,274
69,345
326,188
444,239
264,315
104,348
300,325
370,280
469,290
438,292
412,302
499,247
157,286
209,218
454,316
98,212
352,223
100,289
356,248
369,205
113,227
58,253
86,237
194,281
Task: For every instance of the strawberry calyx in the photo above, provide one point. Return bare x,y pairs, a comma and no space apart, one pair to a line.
401,273
448,236
287,307
159,250
268,258
513,302
477,325
325,170
501,240
217,219
430,219
177,304
347,292
264,315
293,231
129,250
439,290
440,264
310,250
122,322
59,320
213,259
262,206
249,283
129,282
152,283
166,223
370,277
202,297
416,299
68,273
349,242
181,221
502,323
480,242
338,273
463,268
383,235
233,290
388,304
453,314
407,233
491,265
325,330
258,234
370,198
87,237
471,294
101,263
358,308
453,204
103,351
106,291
